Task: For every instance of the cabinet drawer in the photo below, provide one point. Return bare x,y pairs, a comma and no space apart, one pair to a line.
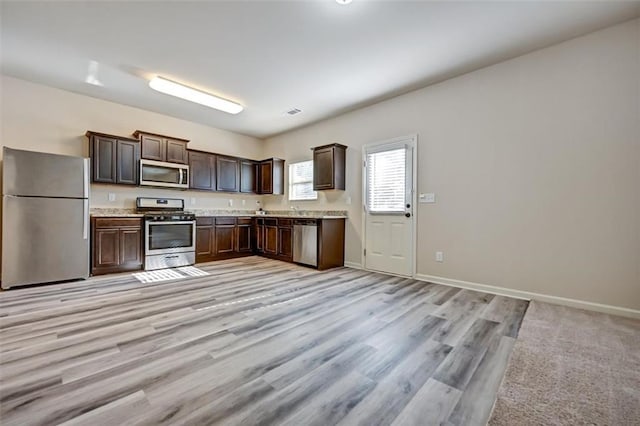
225,220
271,222
204,221
244,221
285,222
118,222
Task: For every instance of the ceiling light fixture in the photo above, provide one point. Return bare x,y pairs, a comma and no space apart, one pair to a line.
187,93
343,1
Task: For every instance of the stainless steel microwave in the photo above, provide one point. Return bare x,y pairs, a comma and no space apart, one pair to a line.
168,175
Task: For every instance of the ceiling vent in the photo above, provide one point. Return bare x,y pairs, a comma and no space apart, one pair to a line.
294,111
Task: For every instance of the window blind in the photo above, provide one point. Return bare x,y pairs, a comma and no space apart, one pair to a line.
301,181
386,186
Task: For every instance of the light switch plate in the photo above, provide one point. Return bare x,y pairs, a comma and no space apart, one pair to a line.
429,197
439,256
193,201
112,196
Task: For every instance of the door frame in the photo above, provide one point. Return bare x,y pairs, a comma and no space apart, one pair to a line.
412,141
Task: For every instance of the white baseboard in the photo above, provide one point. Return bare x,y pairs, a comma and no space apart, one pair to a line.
502,291
353,265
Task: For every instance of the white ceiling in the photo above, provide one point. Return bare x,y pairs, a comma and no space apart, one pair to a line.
270,56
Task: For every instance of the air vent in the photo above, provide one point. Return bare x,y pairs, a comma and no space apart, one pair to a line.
294,111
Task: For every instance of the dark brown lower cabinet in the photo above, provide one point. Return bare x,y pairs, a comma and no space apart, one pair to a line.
285,240
116,244
205,239
330,243
244,235
271,236
223,238
258,236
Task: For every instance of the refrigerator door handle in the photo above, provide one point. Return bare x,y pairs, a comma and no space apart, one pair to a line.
85,215
85,171
180,170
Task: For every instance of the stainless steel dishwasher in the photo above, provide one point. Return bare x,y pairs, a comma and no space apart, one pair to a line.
305,241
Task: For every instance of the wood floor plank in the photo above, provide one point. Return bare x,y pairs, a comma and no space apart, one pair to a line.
431,405
257,341
121,411
461,364
395,390
334,403
275,408
474,406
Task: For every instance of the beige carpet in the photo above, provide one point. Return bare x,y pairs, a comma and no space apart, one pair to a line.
571,367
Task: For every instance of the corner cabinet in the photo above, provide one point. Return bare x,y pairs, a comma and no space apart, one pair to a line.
114,159
248,174
116,244
162,148
274,238
329,167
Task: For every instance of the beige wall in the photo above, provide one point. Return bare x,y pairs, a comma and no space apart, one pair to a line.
41,118
535,163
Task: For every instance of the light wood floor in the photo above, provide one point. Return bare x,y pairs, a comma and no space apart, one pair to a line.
256,342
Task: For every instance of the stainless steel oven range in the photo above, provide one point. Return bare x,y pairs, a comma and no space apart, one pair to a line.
169,233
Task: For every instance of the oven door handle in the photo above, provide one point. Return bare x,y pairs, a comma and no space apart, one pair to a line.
171,222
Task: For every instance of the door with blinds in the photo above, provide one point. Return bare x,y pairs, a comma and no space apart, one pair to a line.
389,198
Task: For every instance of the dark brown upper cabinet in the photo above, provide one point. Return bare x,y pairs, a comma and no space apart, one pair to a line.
271,176
228,174
248,176
114,159
162,148
329,167
202,169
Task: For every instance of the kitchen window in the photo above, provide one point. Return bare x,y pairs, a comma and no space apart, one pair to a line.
301,181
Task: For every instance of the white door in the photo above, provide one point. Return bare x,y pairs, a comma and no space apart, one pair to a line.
389,198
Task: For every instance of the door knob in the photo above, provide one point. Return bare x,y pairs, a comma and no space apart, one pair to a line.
407,214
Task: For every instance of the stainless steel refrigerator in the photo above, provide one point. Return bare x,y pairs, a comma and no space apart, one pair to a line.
45,218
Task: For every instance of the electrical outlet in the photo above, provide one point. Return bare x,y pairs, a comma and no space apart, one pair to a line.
230,202
193,201
429,197
112,196
348,200
439,256
244,202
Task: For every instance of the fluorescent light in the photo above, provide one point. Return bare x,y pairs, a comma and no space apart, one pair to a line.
175,89
343,1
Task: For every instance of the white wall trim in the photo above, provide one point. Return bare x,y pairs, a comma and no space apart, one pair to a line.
502,291
353,265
